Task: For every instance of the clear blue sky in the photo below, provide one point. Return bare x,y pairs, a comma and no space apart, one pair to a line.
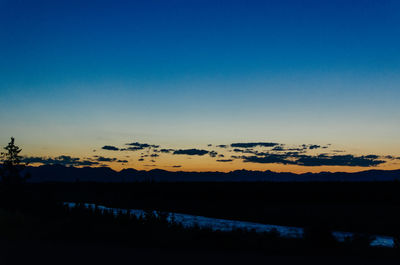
75,75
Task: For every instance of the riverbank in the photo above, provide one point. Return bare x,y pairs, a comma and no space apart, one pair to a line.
110,227
216,224
372,208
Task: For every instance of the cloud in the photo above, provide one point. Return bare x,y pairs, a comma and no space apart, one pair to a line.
250,145
60,160
301,148
213,153
340,160
177,166
371,156
318,160
136,146
71,161
142,146
166,150
104,159
266,159
131,148
390,157
278,148
190,152
247,151
224,160
108,159
338,151
110,148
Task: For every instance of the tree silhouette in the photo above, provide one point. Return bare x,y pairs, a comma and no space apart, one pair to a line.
10,171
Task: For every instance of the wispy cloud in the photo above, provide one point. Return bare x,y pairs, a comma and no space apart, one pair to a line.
60,160
250,145
317,160
224,160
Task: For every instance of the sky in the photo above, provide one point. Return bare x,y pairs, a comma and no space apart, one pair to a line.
76,76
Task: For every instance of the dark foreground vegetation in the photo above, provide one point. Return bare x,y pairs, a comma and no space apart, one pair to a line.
33,215
357,207
54,224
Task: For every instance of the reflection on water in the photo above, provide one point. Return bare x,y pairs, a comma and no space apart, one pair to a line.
188,220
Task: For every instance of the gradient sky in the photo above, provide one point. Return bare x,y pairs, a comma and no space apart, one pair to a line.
78,75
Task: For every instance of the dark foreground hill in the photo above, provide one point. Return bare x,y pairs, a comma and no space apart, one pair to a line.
59,173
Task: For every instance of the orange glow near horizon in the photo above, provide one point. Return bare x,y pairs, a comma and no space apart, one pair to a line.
255,167
203,163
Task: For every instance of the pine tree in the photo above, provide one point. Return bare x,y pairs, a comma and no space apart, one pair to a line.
11,169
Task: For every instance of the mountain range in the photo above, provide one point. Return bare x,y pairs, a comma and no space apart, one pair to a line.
60,173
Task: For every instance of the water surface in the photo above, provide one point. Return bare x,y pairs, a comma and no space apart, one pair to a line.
188,220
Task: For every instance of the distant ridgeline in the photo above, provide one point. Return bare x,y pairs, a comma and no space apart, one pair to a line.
59,173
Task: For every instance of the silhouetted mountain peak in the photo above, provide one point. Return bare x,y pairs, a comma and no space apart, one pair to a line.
60,173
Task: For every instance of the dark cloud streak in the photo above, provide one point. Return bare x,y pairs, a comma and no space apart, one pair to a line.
190,152
60,160
250,145
110,148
